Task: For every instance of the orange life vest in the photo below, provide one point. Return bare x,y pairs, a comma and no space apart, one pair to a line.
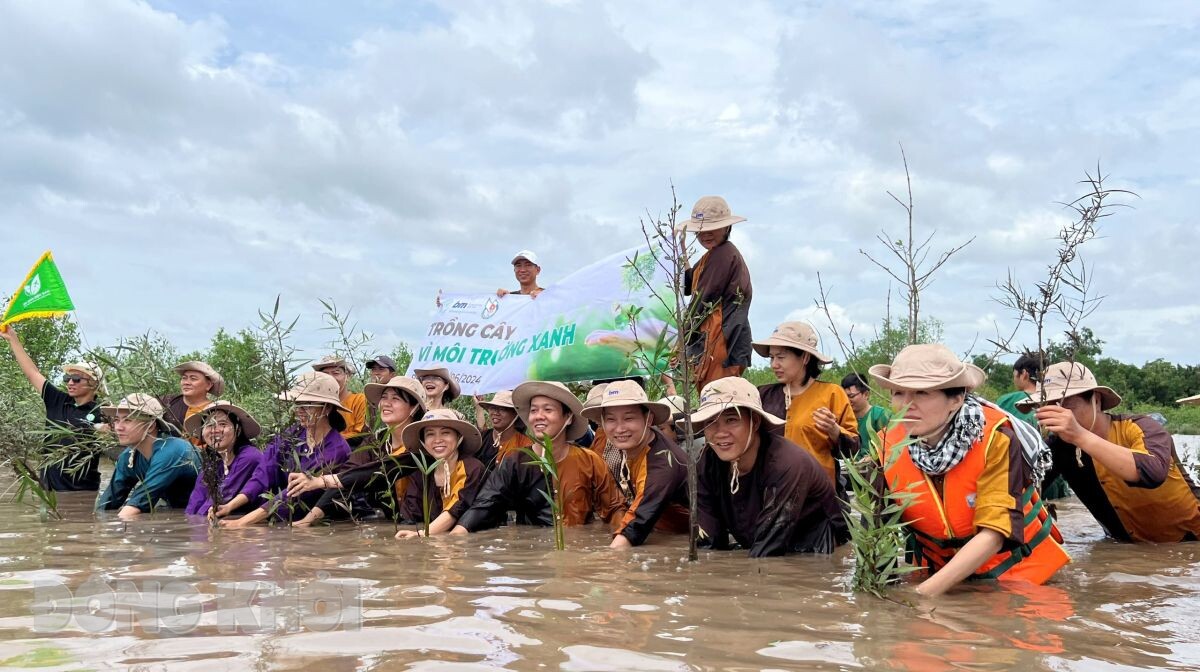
940,523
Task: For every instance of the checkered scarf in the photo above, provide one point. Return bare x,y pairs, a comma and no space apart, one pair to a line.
965,428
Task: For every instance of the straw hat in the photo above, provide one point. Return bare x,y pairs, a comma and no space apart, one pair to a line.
330,361
317,388
413,434
525,392
142,404
195,421
626,393
709,214
202,368
732,392
1067,379
927,366
1193,400
594,395
411,386
502,399
796,335
452,392
675,402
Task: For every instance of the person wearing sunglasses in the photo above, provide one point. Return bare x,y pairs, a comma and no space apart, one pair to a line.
71,415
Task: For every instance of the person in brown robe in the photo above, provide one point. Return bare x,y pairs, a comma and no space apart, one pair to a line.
719,285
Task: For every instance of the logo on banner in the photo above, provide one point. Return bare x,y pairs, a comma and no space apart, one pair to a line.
490,308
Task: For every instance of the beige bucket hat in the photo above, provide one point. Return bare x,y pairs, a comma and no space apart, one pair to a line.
927,366
452,392
202,368
709,214
330,361
626,393
1067,379
142,404
525,392
410,386
594,395
1193,400
502,399
732,392
315,387
195,422
88,369
796,335
675,402
444,417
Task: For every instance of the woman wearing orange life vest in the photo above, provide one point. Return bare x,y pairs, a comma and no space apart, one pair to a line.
977,512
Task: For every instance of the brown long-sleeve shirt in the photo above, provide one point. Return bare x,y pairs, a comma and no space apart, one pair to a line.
658,478
722,276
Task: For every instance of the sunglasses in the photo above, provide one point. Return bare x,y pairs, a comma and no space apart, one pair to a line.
74,379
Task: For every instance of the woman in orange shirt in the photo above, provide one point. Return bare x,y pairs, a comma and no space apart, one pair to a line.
819,416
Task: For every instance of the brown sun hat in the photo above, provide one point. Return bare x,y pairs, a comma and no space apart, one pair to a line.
142,404
1067,379
195,421
709,214
626,393
501,399
202,368
330,361
452,392
316,388
594,395
414,433
927,366
1193,400
732,392
525,392
374,391
795,335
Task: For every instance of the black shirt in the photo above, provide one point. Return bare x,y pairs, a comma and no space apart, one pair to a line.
81,470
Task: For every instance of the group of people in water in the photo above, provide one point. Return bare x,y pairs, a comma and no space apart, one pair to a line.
770,478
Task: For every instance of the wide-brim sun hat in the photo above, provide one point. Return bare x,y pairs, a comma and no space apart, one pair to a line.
88,369
141,404
627,393
732,392
452,391
195,422
796,335
1193,400
927,366
314,387
502,399
413,434
204,369
675,402
709,214
1068,379
330,361
525,392
411,386
594,395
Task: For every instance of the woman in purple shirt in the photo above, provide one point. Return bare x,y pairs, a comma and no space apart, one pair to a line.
226,431
313,446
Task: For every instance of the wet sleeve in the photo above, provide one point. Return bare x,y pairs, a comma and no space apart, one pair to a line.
1000,487
198,499
353,480
1153,452
713,532
607,501
118,486
493,501
469,492
167,465
252,486
784,494
659,481
266,475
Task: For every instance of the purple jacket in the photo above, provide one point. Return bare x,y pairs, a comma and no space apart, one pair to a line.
238,479
288,453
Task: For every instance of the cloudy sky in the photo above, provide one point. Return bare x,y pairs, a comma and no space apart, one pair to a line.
187,161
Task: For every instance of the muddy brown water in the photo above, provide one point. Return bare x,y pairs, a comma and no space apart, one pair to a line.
79,594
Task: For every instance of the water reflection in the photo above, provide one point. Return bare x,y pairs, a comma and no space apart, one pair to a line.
504,600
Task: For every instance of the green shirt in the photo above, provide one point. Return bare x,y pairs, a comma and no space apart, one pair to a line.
1009,403
875,420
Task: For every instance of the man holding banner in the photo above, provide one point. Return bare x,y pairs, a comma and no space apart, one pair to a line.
70,413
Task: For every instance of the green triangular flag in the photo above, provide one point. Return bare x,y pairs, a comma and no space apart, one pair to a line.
42,294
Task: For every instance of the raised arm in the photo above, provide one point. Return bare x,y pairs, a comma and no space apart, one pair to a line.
26,363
